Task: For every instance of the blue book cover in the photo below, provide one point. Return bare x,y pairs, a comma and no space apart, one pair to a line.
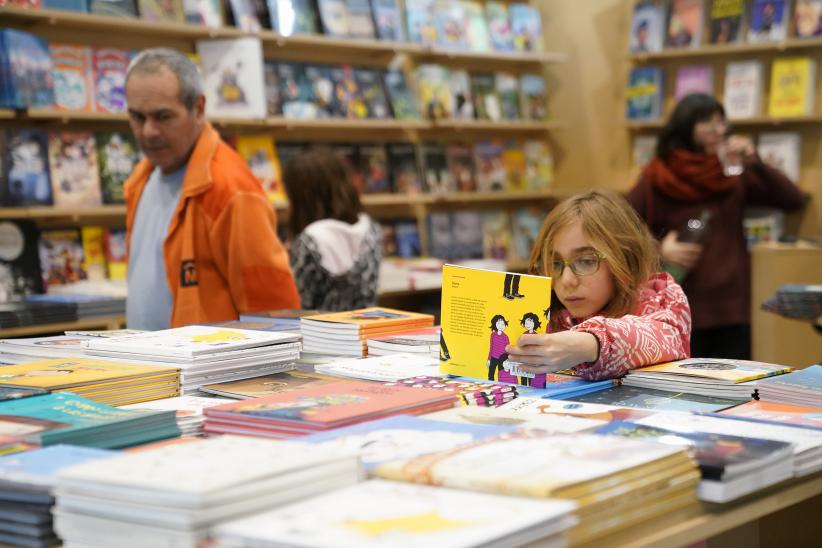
39,466
644,95
408,239
25,169
403,437
769,21
809,378
68,5
526,27
388,20
30,63
719,456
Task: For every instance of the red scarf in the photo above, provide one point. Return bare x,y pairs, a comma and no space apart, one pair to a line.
689,176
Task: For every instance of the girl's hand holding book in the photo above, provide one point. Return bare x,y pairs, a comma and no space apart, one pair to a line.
554,351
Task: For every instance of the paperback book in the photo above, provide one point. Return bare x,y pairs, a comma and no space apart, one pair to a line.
233,77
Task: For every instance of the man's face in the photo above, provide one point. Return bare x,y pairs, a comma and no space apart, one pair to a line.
164,128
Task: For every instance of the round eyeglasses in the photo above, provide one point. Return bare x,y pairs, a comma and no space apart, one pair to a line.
581,265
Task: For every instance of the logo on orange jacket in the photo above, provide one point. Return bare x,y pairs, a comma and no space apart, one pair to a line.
188,273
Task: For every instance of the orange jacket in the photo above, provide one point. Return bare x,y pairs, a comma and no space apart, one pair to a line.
221,251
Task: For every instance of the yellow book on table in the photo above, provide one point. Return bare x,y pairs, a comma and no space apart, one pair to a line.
65,373
793,82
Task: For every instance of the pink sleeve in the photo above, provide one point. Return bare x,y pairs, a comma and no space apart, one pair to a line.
660,331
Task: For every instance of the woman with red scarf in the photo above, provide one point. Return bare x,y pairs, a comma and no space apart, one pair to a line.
698,173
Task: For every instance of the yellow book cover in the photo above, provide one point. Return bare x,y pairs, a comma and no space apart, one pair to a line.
375,318
792,87
725,371
259,152
63,373
94,253
482,312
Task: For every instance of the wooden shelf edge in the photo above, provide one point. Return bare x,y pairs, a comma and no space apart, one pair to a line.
103,322
39,212
729,49
756,121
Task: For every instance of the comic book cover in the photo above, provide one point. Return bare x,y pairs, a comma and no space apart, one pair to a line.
373,92
462,102
348,93
360,20
435,94
483,311
513,158
462,167
162,11
526,27
491,175
478,36
206,13
438,179
110,66
322,90
374,166
499,26
534,97
25,168
114,244
421,22
403,101
61,257
335,18
525,225
539,165
75,180
271,78
405,169
296,92
388,20
233,77
117,154
508,92
726,21
259,152
290,17
484,93
72,77
496,235
449,18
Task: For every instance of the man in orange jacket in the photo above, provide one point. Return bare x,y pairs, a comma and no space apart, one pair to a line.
202,238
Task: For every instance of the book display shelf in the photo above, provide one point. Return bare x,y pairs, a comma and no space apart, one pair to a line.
132,33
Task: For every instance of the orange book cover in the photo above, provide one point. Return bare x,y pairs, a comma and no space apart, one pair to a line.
371,319
783,413
329,405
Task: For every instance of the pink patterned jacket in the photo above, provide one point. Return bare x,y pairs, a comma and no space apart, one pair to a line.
658,331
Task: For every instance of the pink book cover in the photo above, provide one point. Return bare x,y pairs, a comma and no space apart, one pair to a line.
694,79
110,66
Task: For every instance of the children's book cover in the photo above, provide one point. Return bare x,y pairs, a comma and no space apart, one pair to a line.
403,101
94,254
496,235
435,93
28,80
513,158
249,15
373,92
778,413
367,319
438,179
694,79
685,20
792,86
484,93
25,168
534,97
743,89
658,400
803,380
769,20
491,174
462,101
715,369
206,13
72,77
162,11
466,235
508,92
271,78
259,152
647,27
644,94
115,249
61,257
408,239
296,92
348,93
233,77
258,387
528,405
526,27
726,21
375,169
389,239
110,67
405,169
808,18
290,17
449,19
483,311
20,273
334,17
64,373
360,20
499,26
113,8
117,154
420,18
75,179
781,150
350,155
525,225
479,38
323,93
463,169
388,20
539,164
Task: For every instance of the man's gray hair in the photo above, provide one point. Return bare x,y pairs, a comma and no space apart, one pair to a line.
152,61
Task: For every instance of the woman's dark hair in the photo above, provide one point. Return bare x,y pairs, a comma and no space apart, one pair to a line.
494,321
319,187
534,318
679,130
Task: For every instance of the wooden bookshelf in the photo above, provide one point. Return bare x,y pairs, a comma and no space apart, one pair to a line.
76,214
730,50
104,322
6,114
746,122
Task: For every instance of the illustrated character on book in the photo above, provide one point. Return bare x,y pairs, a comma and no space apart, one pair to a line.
510,288
768,16
230,92
531,323
679,35
444,354
324,95
28,173
120,157
497,355
641,34
72,163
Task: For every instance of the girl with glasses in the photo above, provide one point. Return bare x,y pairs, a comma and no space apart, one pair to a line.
611,310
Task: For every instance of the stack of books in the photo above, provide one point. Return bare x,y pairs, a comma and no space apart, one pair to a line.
705,377
188,411
417,341
86,306
108,382
283,319
382,513
171,495
321,408
20,313
345,333
731,466
777,413
205,354
55,346
64,417
616,482
529,406
469,391
26,492
803,387
257,387
796,301
657,400
381,368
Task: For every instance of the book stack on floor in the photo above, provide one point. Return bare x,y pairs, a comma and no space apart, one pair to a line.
803,387
617,482
267,385
322,408
381,368
64,417
205,354
26,484
706,377
469,391
345,333
777,413
21,314
731,466
108,382
86,306
417,341
188,411
171,495
382,513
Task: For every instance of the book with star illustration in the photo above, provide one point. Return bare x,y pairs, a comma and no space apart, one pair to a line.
483,311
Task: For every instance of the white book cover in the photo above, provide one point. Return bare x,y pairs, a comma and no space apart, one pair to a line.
233,77
383,368
190,341
647,27
644,149
497,416
186,406
781,150
743,89
527,404
381,513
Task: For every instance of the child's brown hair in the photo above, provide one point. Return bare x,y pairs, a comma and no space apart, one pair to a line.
616,231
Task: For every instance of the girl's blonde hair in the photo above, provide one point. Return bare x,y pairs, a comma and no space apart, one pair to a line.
616,231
